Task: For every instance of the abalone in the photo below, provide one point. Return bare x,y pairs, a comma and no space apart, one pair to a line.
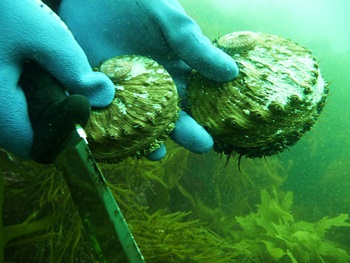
142,113
276,98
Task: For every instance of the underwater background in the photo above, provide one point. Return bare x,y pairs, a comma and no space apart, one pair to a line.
322,27
293,207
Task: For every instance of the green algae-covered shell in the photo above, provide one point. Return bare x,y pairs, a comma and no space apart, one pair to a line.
142,113
275,99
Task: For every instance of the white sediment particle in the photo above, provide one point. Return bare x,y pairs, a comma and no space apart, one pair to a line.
141,95
138,68
168,95
279,131
157,107
160,71
119,87
121,106
152,79
247,112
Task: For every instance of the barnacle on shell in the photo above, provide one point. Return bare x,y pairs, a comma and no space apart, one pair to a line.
276,98
116,69
142,113
238,42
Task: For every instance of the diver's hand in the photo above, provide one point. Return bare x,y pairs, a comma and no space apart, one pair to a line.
30,31
160,29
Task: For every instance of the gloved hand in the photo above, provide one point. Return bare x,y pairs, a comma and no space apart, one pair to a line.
29,30
159,29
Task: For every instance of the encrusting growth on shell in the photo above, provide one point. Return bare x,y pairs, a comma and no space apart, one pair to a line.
116,69
142,113
239,42
275,99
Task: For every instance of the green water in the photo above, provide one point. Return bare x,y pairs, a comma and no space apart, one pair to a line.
319,165
322,27
193,208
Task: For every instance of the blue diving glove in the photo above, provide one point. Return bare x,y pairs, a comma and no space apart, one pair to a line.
29,30
159,29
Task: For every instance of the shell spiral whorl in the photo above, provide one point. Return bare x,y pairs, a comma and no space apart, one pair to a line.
275,99
142,113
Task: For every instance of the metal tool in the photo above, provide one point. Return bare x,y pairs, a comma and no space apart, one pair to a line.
98,209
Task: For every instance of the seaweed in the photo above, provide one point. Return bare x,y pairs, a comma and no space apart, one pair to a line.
40,222
274,235
173,238
215,214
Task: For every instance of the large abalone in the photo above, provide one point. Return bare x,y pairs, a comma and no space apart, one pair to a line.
276,98
142,114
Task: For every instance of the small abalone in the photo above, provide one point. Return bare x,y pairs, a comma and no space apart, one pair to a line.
142,113
275,99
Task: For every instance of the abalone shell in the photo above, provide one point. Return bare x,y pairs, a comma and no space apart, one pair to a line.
276,98
142,113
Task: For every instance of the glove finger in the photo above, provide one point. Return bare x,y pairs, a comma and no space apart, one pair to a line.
157,154
53,46
189,134
190,44
16,132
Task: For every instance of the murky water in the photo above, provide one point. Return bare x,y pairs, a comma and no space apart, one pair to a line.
317,167
194,208
321,26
